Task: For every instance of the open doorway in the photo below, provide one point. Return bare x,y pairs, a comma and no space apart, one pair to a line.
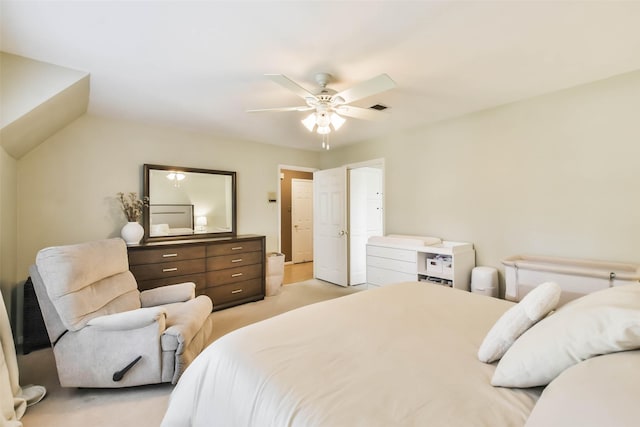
363,191
301,220
296,222
290,177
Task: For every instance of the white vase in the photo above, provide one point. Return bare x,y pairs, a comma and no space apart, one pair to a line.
132,233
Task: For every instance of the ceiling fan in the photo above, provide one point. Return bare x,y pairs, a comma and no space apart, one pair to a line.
329,106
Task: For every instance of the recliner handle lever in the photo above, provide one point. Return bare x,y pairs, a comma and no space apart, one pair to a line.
118,375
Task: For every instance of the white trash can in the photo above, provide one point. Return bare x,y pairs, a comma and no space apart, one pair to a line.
484,280
274,273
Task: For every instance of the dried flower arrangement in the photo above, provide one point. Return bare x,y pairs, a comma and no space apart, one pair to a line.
131,206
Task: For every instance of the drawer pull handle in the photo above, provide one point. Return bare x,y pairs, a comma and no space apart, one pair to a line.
236,275
237,260
168,255
237,291
237,248
166,270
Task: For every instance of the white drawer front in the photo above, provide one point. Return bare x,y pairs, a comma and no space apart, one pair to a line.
380,276
392,253
393,264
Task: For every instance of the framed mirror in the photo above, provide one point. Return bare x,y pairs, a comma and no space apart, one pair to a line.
188,203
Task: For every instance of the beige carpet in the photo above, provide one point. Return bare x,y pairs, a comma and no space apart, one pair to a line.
145,406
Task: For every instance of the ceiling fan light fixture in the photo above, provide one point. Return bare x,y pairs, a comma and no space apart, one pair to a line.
323,130
309,122
337,121
323,118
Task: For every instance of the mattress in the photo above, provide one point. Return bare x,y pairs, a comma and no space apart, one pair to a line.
404,354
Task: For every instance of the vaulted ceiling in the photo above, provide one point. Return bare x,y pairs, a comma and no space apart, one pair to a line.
200,65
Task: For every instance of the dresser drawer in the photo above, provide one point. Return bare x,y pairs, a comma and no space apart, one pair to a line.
233,275
392,253
234,248
410,267
235,260
235,291
150,256
167,269
198,279
380,276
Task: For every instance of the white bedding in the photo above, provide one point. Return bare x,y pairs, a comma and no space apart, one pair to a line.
401,355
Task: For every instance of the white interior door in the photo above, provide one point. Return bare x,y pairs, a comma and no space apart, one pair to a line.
301,220
330,225
365,218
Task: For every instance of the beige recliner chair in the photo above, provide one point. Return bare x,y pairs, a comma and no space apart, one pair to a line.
104,332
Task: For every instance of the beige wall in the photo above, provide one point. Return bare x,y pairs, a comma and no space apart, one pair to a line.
26,83
37,100
7,227
67,185
555,175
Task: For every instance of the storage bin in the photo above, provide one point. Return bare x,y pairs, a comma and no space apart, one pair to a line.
274,273
434,265
447,266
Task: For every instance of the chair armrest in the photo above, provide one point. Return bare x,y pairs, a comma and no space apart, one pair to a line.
184,321
128,320
168,294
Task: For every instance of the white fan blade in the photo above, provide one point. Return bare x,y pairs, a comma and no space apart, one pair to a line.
301,108
367,88
360,113
291,85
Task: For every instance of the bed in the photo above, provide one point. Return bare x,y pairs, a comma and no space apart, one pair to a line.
171,220
401,355
367,359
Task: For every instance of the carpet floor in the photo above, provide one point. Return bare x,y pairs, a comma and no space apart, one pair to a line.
144,406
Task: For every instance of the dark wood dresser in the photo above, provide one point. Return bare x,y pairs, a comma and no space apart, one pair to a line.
230,270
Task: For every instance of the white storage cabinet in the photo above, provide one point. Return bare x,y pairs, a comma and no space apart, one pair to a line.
448,263
445,263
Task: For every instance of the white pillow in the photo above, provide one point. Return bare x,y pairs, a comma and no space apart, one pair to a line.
601,391
533,307
599,323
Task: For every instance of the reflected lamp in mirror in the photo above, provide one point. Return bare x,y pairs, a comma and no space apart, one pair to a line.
174,194
201,224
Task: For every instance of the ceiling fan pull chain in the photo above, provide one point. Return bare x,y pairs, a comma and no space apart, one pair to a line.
325,141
